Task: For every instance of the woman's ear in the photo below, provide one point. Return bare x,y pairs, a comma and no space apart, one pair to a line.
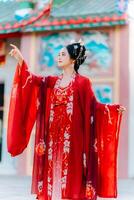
73,61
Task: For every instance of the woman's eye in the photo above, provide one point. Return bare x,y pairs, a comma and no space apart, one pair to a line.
61,54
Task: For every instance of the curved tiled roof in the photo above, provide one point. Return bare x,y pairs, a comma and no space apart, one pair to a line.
66,14
8,22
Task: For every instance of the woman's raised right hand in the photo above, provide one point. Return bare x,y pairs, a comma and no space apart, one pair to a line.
15,52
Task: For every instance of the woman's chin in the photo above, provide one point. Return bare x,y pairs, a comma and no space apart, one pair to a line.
60,66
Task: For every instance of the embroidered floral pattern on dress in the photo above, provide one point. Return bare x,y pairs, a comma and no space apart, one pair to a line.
50,150
66,147
60,120
51,113
29,78
90,190
49,187
40,148
40,186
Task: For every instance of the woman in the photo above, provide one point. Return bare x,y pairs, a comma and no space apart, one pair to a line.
76,140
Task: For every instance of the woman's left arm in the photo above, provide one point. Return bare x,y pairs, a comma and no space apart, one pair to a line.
107,123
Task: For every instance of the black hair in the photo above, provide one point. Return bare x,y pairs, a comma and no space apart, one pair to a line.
77,53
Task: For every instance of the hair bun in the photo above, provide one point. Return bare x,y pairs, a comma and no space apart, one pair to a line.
77,52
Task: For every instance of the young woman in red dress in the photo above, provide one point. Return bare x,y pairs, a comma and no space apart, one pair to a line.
76,140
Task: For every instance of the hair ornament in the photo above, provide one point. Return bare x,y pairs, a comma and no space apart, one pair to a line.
81,49
75,49
81,42
72,41
75,46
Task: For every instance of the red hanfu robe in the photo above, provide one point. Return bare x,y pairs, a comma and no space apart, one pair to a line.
92,163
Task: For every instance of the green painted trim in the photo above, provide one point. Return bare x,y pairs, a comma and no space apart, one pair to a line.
66,27
26,4
72,27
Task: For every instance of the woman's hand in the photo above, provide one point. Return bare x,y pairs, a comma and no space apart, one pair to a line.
121,109
15,52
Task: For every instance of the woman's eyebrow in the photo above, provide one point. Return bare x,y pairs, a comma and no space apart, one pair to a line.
61,52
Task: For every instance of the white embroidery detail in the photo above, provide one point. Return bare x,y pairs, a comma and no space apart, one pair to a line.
44,78
66,135
66,147
118,123
37,103
50,153
28,78
102,144
49,186
40,186
50,143
84,160
51,115
49,189
14,89
95,145
92,119
109,117
69,107
63,181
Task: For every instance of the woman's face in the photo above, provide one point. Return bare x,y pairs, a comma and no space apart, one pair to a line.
63,58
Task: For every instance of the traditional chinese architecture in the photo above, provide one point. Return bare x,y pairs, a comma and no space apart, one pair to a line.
40,29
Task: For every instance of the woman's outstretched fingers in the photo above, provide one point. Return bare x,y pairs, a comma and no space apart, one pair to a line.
16,53
121,109
13,46
12,52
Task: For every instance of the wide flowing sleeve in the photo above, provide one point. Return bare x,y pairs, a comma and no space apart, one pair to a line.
22,108
107,122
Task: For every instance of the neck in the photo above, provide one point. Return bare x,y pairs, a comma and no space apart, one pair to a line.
68,71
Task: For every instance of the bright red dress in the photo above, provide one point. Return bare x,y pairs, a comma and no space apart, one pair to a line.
58,142
75,156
